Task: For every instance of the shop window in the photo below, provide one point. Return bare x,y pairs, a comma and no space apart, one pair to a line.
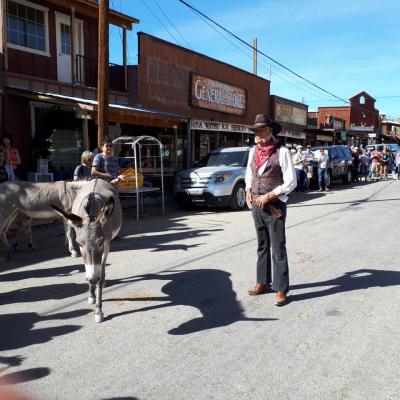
27,26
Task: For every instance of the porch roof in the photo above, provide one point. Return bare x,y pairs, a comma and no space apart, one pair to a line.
121,113
90,8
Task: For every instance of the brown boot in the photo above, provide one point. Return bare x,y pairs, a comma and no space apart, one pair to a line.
259,289
280,299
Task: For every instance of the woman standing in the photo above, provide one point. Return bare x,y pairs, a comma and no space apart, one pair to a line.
385,162
11,153
6,171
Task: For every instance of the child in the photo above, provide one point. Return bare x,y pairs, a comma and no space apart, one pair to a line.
83,172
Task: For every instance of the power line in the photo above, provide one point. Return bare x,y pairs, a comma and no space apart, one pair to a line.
172,24
162,23
260,52
195,10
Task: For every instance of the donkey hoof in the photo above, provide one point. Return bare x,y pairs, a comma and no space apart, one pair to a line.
99,317
91,300
74,254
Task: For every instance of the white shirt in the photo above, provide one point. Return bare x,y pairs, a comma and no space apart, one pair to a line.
288,172
296,158
398,158
323,162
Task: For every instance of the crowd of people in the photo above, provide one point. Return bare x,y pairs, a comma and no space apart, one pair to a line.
368,164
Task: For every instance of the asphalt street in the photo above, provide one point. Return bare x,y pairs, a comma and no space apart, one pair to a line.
179,323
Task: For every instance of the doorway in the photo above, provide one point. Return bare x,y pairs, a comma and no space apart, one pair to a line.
64,47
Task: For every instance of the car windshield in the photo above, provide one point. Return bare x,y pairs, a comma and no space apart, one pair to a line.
226,159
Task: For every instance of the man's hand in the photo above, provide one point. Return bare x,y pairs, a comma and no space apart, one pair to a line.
249,197
270,197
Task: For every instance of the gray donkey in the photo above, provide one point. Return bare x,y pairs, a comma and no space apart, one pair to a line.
34,200
91,210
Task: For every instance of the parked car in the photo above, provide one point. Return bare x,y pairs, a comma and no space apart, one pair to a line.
340,164
220,182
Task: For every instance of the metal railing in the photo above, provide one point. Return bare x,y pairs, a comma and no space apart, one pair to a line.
86,73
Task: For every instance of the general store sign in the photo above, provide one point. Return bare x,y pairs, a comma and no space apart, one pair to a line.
218,96
218,126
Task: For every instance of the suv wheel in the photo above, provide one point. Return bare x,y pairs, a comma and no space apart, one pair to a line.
347,178
238,197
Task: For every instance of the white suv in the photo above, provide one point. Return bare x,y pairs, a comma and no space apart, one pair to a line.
219,183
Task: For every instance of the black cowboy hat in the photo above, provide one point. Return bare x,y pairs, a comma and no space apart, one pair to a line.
263,120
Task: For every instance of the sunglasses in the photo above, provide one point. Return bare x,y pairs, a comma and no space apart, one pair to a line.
109,146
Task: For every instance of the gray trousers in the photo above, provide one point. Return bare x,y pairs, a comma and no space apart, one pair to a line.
271,251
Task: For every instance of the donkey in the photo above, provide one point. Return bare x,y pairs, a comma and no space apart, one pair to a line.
96,218
34,200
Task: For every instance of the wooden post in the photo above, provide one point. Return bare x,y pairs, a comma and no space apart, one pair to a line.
73,47
255,56
124,57
102,78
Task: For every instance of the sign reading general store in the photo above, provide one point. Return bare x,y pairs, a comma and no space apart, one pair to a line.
218,96
218,126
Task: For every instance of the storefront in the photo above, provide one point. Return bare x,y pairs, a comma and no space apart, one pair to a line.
209,135
291,139
293,118
219,100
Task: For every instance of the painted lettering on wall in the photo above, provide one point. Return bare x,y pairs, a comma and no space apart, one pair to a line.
219,96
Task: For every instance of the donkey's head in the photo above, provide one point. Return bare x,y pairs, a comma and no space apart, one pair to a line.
92,238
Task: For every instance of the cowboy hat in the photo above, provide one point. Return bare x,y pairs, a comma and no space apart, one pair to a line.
263,120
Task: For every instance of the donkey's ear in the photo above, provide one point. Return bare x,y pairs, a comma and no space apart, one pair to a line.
66,216
106,211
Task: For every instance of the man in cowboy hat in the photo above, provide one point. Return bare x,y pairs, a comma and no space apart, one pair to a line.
270,177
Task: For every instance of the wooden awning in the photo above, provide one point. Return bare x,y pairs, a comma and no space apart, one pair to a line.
91,9
124,114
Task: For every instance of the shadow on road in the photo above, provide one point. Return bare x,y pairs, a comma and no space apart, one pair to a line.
24,376
17,330
43,292
208,290
350,281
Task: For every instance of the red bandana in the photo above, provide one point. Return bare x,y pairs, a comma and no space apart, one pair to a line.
264,152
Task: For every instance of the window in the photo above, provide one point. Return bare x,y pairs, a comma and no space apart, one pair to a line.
27,26
362,100
65,39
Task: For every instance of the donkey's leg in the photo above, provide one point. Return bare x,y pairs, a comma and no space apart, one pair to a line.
92,294
99,316
5,222
71,237
28,234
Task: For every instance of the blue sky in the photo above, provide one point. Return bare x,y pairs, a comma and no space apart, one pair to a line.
344,46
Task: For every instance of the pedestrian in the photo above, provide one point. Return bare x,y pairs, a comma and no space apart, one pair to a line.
375,163
83,172
385,158
323,160
11,153
397,161
364,164
308,165
270,177
6,171
298,162
356,163
105,165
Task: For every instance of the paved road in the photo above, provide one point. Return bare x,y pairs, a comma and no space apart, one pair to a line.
180,325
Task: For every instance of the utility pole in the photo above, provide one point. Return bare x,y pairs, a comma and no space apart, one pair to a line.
255,56
102,75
